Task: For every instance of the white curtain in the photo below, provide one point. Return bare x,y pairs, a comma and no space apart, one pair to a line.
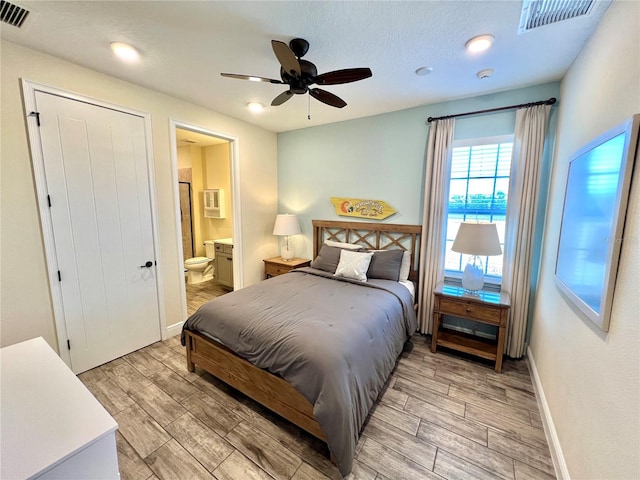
528,145
436,185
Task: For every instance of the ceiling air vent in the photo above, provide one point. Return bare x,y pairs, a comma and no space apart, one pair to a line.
537,13
12,14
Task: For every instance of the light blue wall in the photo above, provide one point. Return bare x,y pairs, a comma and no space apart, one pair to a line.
381,157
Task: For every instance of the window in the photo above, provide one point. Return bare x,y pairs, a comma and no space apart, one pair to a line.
478,191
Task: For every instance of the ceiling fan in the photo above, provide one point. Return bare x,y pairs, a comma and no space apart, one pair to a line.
301,74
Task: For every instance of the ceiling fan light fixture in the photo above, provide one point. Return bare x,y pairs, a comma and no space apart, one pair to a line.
124,51
255,107
479,43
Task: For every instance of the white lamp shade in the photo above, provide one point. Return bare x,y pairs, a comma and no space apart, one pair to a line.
477,239
286,225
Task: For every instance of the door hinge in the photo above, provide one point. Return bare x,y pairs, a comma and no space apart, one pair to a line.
59,276
37,115
69,344
49,200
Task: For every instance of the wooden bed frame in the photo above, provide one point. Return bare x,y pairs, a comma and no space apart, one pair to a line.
271,390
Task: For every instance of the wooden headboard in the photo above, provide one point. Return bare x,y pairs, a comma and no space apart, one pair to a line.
373,236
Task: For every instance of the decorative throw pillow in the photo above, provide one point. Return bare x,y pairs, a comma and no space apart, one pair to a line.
354,265
346,246
406,266
386,264
327,259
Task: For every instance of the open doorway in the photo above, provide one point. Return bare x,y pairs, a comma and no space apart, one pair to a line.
205,213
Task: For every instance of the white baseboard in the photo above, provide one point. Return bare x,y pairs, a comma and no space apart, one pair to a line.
557,457
173,330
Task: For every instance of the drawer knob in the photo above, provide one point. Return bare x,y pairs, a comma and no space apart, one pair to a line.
467,309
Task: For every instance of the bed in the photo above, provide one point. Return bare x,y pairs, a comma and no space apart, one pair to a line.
314,347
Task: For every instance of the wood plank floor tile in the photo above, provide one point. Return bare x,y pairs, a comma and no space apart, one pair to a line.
143,362
314,451
455,468
141,431
93,376
521,431
171,461
527,472
110,395
407,445
472,397
158,350
237,466
391,464
362,472
401,420
162,408
173,384
484,457
204,444
276,460
131,466
433,414
538,458
307,472
212,413
178,363
128,378
394,398
445,402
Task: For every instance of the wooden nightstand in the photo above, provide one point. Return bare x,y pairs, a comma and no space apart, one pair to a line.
491,308
277,266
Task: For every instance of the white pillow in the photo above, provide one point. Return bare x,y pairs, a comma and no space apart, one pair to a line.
353,265
347,246
405,268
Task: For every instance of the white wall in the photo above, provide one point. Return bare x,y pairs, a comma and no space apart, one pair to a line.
591,379
25,311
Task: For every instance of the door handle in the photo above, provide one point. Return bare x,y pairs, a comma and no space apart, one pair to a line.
149,264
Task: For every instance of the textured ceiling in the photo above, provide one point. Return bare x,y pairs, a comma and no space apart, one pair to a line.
185,45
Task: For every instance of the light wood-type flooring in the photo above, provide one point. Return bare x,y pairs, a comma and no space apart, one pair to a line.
440,416
201,293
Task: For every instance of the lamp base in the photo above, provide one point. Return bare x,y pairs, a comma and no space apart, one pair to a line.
473,275
286,250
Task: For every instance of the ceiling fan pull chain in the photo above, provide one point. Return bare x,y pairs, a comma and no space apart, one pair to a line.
308,107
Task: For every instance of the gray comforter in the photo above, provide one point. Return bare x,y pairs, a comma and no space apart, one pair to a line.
335,340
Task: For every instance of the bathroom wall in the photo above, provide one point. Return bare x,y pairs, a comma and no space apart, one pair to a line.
217,174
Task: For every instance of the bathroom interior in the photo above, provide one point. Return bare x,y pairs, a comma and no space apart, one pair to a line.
206,216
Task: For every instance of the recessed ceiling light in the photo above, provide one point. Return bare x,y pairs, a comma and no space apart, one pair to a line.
424,71
124,51
479,43
255,107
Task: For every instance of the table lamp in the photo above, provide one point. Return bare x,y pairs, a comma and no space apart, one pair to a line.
286,225
476,239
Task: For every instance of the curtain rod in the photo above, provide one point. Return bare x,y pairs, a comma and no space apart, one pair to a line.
551,101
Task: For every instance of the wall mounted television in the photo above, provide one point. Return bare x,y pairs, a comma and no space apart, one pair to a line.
593,217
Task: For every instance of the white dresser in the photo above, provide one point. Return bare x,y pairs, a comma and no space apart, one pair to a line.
51,426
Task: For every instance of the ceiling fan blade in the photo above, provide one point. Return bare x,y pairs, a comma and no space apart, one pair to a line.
286,57
327,97
343,76
250,77
283,97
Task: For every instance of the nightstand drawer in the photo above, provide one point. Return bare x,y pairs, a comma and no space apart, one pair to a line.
274,270
485,313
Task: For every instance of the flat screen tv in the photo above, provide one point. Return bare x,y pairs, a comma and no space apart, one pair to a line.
593,217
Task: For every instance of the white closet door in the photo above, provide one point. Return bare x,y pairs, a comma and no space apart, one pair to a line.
95,163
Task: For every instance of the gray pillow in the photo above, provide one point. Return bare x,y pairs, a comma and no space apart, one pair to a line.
327,259
385,264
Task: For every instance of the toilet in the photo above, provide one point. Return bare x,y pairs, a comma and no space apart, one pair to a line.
200,269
